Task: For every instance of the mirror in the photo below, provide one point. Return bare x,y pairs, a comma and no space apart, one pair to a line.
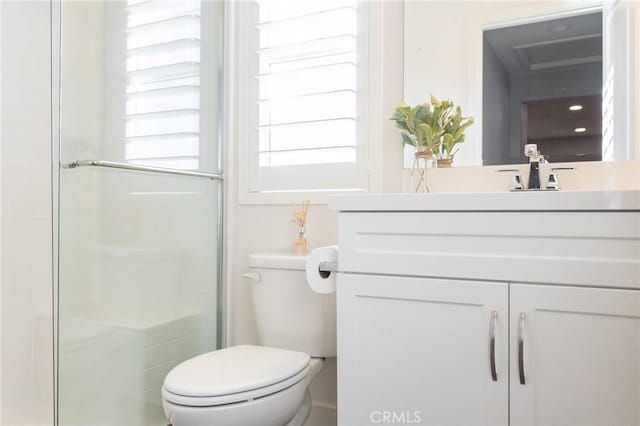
542,84
556,73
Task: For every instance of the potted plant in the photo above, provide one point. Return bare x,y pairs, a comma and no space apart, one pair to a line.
433,129
454,129
422,127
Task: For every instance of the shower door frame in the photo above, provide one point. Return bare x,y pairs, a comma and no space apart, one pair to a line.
219,176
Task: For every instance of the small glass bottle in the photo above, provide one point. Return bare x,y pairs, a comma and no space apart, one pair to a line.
301,248
423,160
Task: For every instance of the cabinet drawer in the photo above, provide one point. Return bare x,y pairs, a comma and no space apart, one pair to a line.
578,248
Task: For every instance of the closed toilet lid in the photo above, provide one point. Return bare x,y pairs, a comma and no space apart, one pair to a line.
233,370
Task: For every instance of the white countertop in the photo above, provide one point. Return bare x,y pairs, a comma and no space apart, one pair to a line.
491,201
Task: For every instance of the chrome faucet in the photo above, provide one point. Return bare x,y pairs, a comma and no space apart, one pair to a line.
535,178
535,158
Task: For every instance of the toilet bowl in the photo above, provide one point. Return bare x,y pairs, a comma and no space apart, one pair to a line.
260,385
240,385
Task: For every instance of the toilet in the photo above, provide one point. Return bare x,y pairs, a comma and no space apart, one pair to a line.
247,385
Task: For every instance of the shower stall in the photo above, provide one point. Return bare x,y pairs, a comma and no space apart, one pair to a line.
137,130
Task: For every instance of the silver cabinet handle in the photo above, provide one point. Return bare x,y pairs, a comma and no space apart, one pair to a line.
492,345
521,324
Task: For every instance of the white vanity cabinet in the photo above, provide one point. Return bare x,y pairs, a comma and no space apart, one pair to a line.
422,349
581,356
432,295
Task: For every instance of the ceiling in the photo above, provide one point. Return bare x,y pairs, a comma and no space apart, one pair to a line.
551,118
551,125
548,45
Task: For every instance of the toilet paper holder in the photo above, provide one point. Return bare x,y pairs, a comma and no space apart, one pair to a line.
328,267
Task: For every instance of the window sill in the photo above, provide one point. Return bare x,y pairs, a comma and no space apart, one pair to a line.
292,197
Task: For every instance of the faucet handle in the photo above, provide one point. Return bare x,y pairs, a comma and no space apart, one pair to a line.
552,182
516,179
516,182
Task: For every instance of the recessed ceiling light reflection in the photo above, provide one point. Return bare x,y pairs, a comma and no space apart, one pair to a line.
579,130
575,107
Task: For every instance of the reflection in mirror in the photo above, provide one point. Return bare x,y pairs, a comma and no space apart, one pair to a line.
542,84
571,35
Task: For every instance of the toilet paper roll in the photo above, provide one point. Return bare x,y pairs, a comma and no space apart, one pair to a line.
322,283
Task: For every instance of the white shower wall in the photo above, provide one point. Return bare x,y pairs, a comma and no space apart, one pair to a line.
150,239
138,251
26,224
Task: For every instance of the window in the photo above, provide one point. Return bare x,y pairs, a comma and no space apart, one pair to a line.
162,109
304,84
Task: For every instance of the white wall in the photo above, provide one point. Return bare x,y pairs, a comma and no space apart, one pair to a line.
264,228
26,209
90,204
448,63
26,225
267,228
258,228
637,77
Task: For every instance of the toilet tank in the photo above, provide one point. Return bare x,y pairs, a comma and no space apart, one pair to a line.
289,314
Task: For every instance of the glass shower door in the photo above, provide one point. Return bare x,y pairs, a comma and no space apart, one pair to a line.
139,203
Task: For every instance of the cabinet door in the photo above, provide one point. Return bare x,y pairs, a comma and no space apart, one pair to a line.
581,356
419,351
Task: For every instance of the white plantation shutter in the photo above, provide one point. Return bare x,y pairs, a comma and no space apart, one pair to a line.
305,95
162,111
619,56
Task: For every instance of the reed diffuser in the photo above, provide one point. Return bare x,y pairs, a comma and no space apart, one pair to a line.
301,248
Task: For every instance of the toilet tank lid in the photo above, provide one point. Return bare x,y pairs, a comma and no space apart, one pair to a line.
277,261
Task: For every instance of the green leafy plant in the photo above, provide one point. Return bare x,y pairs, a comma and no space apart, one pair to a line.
436,126
453,134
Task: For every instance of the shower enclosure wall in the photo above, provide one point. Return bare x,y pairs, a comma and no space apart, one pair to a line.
26,384
139,207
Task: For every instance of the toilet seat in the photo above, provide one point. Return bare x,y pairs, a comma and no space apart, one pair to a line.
233,375
209,401
281,408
